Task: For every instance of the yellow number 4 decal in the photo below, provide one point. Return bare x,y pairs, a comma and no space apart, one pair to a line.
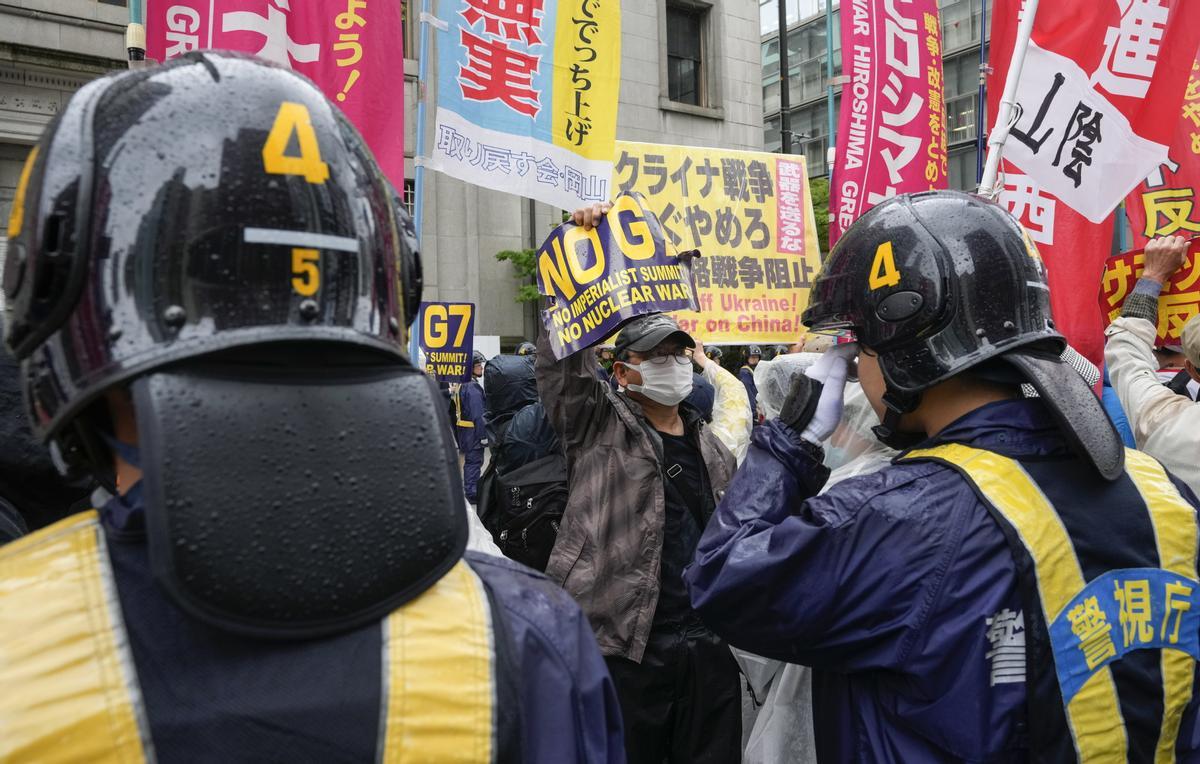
883,270
306,271
294,118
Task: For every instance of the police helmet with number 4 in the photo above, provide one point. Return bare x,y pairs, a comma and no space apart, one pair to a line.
211,203
942,282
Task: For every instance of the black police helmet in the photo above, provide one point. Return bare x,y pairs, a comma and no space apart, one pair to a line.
935,283
754,350
941,282
714,352
526,348
214,202
478,357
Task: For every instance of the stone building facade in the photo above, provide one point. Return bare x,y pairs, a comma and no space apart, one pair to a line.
48,49
691,74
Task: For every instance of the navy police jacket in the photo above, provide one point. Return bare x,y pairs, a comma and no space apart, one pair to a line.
900,589
98,664
470,430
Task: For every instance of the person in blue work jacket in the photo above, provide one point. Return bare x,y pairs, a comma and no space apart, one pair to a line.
1016,586
214,325
470,429
746,375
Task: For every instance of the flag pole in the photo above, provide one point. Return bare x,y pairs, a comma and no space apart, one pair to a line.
419,153
135,35
981,105
1004,118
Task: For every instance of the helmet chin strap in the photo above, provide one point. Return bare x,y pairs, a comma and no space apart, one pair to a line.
888,431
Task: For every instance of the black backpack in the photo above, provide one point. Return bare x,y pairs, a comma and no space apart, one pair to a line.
523,492
523,509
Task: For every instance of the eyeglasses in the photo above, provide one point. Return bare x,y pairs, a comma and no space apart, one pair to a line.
679,359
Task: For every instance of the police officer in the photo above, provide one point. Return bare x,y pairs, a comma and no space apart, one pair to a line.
470,427
526,348
208,294
746,375
1016,587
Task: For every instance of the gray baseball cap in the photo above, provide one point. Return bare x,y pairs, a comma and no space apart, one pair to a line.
647,332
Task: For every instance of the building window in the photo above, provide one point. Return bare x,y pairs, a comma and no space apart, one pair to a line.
963,168
685,55
961,77
410,195
962,23
410,14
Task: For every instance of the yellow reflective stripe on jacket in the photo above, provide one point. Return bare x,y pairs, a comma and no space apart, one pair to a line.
1094,714
439,673
1175,532
458,411
68,689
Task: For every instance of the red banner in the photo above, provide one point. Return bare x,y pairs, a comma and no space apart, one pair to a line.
892,132
350,48
1099,78
1165,203
1073,248
1179,301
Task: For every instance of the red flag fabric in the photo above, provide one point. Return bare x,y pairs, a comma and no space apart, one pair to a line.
1098,80
1073,248
1165,203
351,51
892,131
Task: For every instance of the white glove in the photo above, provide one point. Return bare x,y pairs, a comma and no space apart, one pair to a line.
831,371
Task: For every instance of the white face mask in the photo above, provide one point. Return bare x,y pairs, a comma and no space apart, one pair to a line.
667,383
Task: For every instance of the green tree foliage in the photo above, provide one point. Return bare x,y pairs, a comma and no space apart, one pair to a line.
820,199
524,262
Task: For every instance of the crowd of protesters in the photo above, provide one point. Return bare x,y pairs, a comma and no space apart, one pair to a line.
924,532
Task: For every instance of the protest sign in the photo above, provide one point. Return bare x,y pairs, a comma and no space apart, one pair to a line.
750,214
351,49
1098,79
596,280
527,96
446,338
1165,203
892,133
1179,301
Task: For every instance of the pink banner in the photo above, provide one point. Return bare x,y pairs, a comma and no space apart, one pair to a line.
892,133
350,48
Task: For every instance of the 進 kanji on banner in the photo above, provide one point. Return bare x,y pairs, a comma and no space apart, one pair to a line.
1165,203
1179,301
750,214
446,336
527,96
892,131
1073,248
1100,83
597,280
352,50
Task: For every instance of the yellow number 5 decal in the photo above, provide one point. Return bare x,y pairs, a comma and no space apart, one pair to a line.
306,271
883,270
294,118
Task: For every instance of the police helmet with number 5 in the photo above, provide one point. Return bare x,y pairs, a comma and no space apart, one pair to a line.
214,202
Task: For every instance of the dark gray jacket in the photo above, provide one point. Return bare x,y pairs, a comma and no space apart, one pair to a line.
610,544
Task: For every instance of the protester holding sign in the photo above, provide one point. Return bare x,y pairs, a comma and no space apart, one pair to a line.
1165,425
645,474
